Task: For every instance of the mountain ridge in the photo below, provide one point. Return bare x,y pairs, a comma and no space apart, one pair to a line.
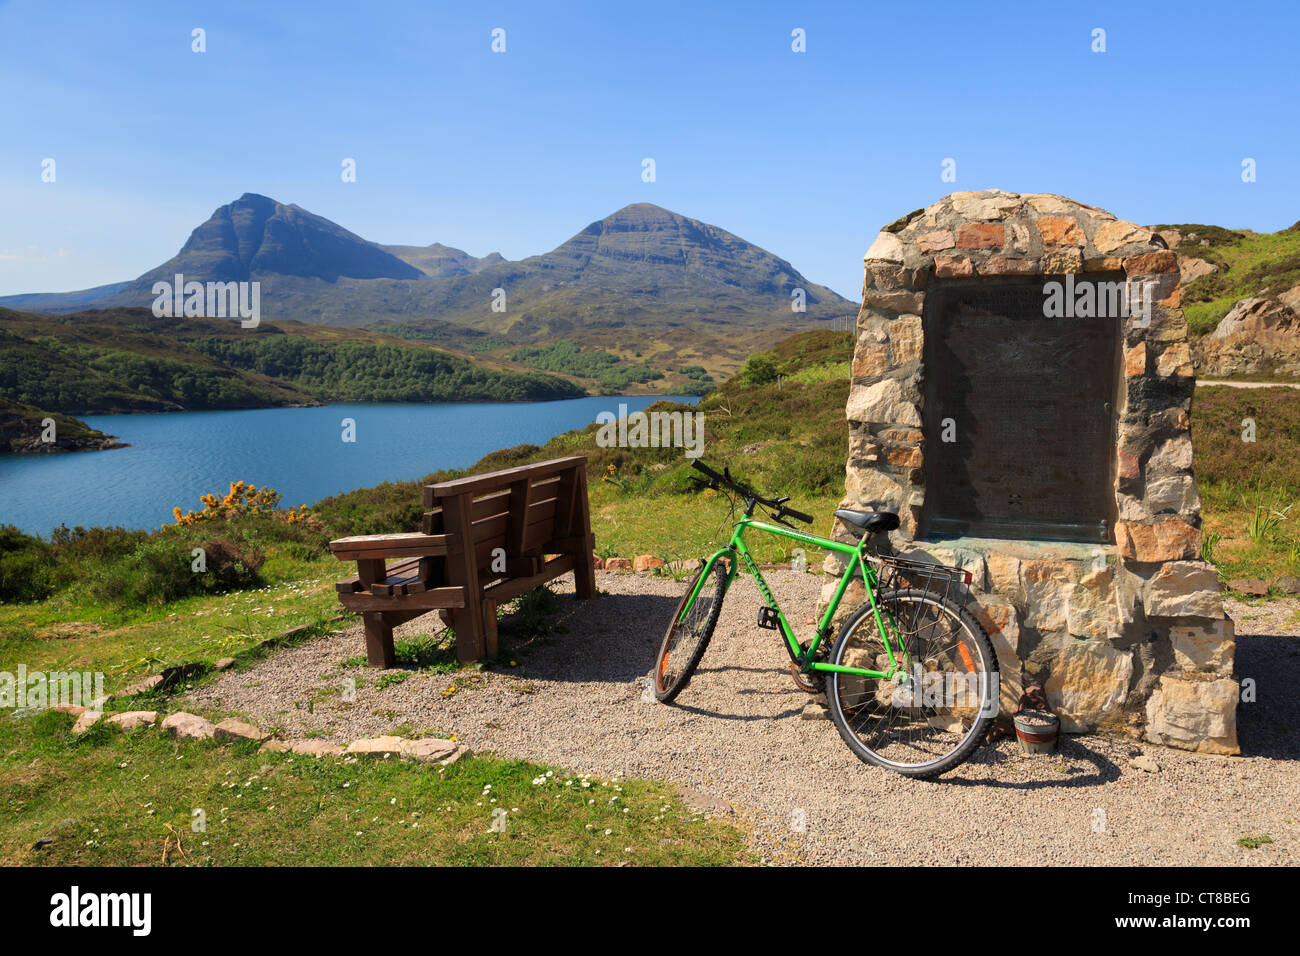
640,265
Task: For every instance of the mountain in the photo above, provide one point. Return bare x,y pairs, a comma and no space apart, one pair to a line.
62,301
641,266
438,261
255,236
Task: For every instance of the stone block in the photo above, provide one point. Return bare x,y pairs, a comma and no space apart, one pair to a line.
887,247
949,267
1114,235
883,402
1004,572
1194,715
1176,493
1046,586
1183,589
1152,263
1208,647
870,361
901,301
1166,539
1006,266
906,338
973,235
1060,231
1135,360
932,242
1062,262
1175,362
1088,683
872,489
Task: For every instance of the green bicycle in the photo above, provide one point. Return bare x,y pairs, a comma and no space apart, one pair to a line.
911,680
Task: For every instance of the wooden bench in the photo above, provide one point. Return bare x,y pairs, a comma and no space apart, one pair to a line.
484,540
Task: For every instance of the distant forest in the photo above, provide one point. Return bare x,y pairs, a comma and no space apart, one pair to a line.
357,372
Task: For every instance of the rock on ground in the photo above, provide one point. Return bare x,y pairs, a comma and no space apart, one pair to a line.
182,724
134,719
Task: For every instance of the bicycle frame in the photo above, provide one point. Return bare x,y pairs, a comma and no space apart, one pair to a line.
856,561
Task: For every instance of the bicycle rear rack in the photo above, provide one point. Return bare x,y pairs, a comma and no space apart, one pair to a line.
938,579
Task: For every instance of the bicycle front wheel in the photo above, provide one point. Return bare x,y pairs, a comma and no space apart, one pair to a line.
933,715
688,634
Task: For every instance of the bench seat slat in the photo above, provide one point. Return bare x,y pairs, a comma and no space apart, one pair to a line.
452,597
397,546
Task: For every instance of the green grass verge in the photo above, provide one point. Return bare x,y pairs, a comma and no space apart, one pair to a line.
115,799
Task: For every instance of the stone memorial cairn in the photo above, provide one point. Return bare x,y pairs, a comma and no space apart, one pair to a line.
1127,634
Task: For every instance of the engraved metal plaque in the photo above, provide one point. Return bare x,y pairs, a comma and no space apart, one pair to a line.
1018,418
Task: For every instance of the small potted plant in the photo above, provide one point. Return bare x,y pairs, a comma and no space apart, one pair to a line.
1036,726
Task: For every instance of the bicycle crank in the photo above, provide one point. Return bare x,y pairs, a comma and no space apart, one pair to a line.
810,682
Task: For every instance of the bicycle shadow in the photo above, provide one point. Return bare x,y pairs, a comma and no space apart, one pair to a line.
742,718
1069,749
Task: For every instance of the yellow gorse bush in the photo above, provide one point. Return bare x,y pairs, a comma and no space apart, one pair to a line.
241,499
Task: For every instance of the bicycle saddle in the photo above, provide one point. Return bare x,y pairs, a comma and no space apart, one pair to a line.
870,522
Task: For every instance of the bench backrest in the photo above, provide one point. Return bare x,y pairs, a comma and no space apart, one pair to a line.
527,512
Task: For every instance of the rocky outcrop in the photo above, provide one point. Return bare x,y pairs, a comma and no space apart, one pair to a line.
1258,336
26,429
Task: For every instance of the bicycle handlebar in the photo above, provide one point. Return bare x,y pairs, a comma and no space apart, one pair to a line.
778,503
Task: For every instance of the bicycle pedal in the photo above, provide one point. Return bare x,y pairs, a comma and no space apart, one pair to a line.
767,618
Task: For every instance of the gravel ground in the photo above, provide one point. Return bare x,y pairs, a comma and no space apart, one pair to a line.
735,742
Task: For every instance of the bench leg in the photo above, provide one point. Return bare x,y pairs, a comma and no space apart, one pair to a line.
379,640
490,627
584,572
584,576
467,622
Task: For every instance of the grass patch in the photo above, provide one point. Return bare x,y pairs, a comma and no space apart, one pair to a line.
1249,490
1254,842
115,799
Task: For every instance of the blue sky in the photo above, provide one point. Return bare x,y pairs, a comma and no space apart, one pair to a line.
806,154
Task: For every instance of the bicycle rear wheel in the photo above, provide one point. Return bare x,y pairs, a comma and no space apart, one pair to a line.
688,635
932,720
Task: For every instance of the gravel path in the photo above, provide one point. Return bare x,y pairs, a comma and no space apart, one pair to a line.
1215,381
735,742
